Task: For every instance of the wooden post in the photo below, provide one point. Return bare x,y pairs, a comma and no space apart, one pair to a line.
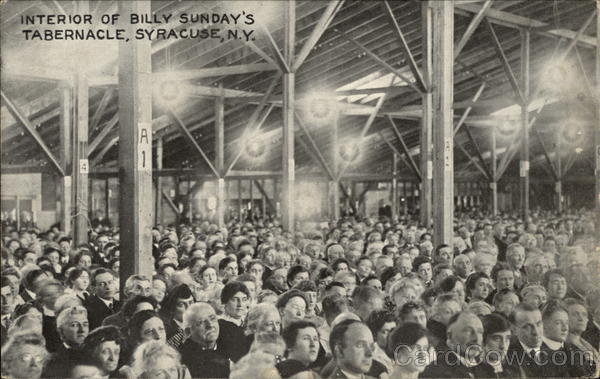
66,124
135,148
264,201
289,174
251,191
220,156
443,128
240,203
107,198
334,185
80,164
427,119
159,165
494,182
597,128
395,185
524,163
559,170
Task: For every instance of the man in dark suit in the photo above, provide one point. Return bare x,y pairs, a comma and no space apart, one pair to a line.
8,302
102,303
201,353
592,333
352,346
463,348
496,339
73,327
525,350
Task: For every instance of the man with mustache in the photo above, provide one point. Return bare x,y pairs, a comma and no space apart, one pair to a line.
201,353
463,343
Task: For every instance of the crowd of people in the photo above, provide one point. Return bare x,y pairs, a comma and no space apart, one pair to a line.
356,298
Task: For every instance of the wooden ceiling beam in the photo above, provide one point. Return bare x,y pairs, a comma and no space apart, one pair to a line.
515,21
412,64
505,64
379,61
190,138
332,8
471,28
26,124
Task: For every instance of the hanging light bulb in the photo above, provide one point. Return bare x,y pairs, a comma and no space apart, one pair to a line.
169,91
349,151
507,128
572,134
255,147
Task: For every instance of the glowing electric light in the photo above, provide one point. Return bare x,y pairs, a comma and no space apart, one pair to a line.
507,128
572,134
349,151
578,150
168,91
255,148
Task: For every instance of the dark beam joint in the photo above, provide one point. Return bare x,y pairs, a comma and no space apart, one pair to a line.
412,64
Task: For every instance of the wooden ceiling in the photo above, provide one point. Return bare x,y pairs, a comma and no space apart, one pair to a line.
334,62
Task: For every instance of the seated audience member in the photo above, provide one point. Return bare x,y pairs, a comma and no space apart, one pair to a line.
462,266
78,282
333,305
365,300
452,285
82,369
102,347
133,305
480,308
156,359
477,287
24,356
496,339
422,266
536,266
462,348
292,307
527,325
255,365
444,307
46,296
381,323
555,318
201,353
578,319
143,326
235,298
403,291
515,258
73,327
102,303
555,284
178,299
592,332
302,346
534,294
352,345
409,347
504,301
413,312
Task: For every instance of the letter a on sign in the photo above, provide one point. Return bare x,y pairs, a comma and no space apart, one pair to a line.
144,148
